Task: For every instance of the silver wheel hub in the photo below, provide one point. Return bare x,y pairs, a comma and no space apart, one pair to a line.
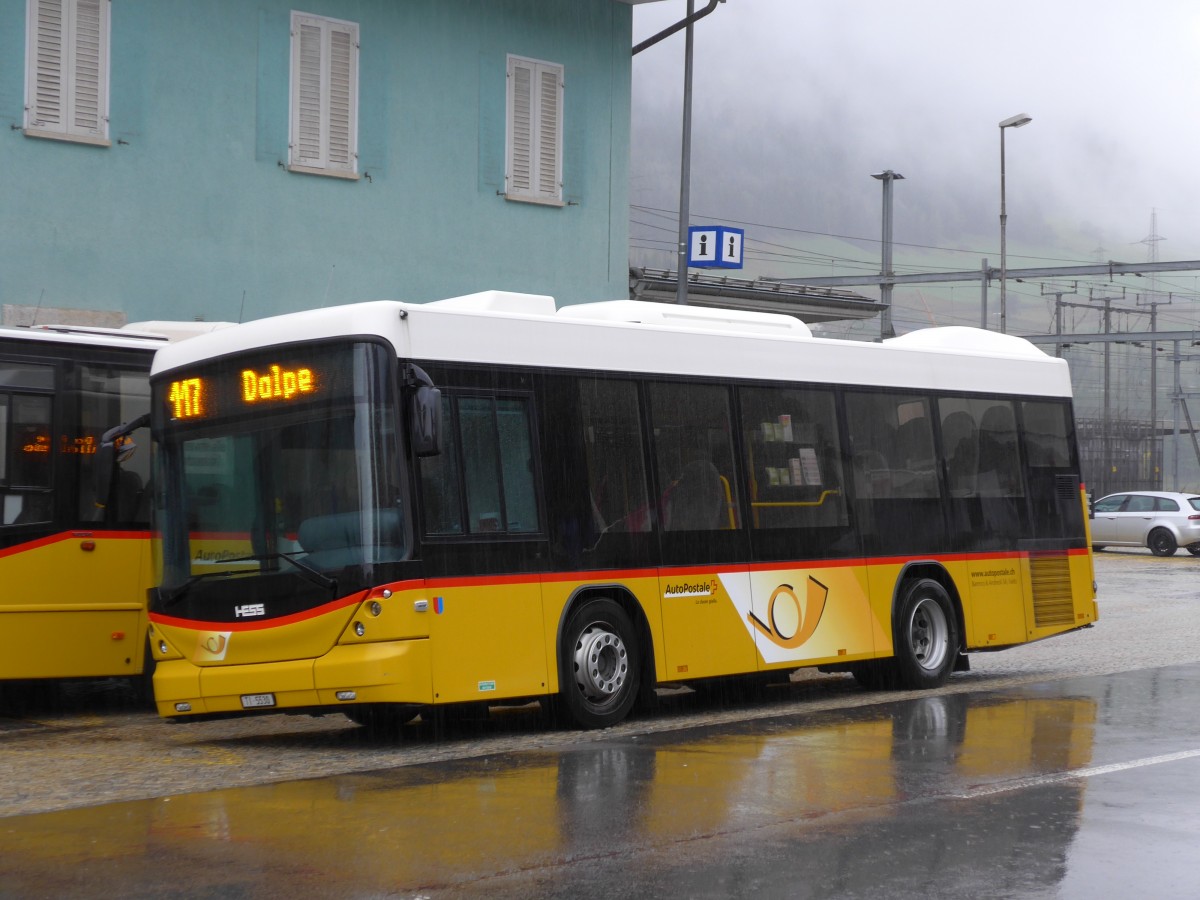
929,634
601,663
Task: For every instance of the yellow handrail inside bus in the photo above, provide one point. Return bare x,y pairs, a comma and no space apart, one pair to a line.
729,507
818,502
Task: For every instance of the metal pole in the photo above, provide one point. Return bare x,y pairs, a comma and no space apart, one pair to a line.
983,286
1154,455
1175,414
1018,121
1058,322
1003,259
685,163
885,288
1107,418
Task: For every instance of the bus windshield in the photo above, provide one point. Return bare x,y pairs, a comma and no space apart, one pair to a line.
286,464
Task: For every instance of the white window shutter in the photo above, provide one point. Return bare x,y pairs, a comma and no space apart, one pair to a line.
67,77
533,157
343,97
520,142
88,70
324,126
549,143
47,58
306,93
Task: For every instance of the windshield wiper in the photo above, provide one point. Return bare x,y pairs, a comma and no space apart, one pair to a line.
318,578
171,596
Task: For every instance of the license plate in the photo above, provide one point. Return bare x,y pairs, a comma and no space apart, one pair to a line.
255,701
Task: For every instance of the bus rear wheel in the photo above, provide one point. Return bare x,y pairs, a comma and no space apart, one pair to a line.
600,665
926,639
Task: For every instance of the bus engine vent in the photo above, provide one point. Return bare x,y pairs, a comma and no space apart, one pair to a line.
1066,487
1051,577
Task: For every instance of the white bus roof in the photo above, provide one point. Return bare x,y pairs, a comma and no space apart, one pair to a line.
496,327
138,336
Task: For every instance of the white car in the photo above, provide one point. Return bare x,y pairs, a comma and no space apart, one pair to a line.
1161,520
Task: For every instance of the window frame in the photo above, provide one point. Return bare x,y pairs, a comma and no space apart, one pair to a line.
65,87
323,163
454,453
532,188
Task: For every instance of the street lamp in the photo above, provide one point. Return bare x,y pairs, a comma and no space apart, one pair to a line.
885,287
1011,122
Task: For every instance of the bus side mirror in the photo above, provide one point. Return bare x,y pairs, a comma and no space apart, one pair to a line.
104,468
425,419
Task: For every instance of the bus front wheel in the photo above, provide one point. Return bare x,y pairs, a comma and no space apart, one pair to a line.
600,668
926,638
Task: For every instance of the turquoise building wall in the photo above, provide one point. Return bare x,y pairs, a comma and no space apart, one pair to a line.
191,212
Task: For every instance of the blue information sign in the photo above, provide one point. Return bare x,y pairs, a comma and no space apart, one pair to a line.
715,247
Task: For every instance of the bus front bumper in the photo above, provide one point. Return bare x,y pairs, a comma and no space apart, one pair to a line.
393,672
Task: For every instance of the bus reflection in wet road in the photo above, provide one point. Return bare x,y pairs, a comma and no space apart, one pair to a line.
983,794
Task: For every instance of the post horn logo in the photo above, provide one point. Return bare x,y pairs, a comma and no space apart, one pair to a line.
215,644
790,623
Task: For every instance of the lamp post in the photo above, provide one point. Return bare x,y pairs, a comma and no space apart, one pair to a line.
1011,122
885,288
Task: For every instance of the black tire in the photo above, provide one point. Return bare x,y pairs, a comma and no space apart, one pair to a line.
1098,547
599,665
1195,551
143,684
874,674
382,718
1161,542
926,639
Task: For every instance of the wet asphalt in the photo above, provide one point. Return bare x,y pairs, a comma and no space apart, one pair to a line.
1068,768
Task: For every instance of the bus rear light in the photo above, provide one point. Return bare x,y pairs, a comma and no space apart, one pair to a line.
346,695
162,647
183,707
360,629
117,635
376,607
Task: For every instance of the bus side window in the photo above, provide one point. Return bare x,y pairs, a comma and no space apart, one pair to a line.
693,441
25,459
1047,426
612,432
441,497
793,458
490,487
892,446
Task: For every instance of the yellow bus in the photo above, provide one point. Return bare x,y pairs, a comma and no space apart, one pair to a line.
385,508
74,568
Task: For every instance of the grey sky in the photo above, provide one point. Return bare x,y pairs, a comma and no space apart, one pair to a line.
797,102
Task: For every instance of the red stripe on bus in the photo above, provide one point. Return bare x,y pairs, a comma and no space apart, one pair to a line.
74,534
585,578
314,613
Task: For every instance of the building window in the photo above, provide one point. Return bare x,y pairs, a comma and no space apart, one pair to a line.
324,97
534,151
66,81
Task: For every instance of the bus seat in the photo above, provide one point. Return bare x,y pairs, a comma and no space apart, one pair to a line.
336,541
697,500
998,474
962,452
